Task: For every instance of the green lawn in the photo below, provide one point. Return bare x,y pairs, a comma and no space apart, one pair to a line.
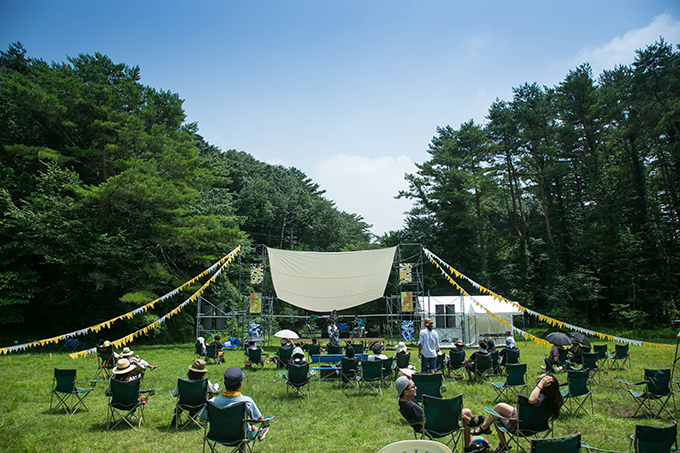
333,420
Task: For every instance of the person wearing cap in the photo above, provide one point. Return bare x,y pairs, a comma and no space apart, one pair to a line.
428,347
509,346
333,338
233,381
217,342
413,413
197,372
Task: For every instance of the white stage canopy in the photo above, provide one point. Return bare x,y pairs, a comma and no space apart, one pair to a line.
324,281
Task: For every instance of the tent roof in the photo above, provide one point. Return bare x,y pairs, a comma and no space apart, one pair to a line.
493,305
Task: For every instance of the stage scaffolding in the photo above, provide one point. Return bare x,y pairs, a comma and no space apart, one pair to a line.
407,278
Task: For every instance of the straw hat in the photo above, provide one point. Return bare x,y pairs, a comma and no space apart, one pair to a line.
401,347
123,366
427,322
126,352
460,343
198,366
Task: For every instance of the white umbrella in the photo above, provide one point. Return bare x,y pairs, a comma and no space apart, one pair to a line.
287,334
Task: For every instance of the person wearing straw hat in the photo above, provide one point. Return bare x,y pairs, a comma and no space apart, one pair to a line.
143,365
428,346
125,371
197,372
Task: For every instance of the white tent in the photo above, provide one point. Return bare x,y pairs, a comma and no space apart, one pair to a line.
460,318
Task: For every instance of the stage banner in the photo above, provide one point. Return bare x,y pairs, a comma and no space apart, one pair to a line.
326,281
405,273
256,274
255,300
407,302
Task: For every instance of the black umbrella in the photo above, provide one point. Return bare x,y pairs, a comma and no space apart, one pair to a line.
558,338
253,339
581,339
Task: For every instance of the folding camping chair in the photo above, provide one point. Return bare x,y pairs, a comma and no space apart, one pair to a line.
428,384
387,371
514,381
314,348
403,360
495,364
440,366
298,377
69,396
577,393
349,369
191,398
358,348
228,426
254,357
211,354
649,439
125,403
371,375
568,444
442,419
455,365
482,366
620,358
602,355
105,362
657,391
283,357
532,422
511,357
590,364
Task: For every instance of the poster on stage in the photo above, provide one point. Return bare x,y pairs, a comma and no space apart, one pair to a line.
255,300
256,274
407,302
405,273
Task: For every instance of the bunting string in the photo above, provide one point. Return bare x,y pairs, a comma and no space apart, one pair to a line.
220,264
442,265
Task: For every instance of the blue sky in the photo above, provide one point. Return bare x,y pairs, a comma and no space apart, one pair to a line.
349,92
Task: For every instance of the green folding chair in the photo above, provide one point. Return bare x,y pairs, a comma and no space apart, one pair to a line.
440,365
532,422
657,392
371,376
428,384
191,399
105,362
514,382
590,360
511,357
228,427
254,358
403,360
442,419
602,354
455,365
621,358
495,364
349,372
648,439
577,394
211,354
568,444
358,348
125,404
483,367
283,357
314,348
68,395
387,371
298,377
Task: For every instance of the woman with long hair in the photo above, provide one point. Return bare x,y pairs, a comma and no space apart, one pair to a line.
546,393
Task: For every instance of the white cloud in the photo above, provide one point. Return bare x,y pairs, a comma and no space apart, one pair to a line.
621,49
367,186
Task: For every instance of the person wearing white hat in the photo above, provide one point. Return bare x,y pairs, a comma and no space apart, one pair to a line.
413,413
509,346
143,365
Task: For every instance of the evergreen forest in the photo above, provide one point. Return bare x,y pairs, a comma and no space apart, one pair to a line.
565,198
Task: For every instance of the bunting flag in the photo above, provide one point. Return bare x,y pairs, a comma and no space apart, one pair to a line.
106,324
441,264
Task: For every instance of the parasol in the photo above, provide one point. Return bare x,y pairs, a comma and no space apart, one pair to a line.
287,334
558,338
580,338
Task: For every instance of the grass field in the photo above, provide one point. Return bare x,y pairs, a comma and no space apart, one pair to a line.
333,420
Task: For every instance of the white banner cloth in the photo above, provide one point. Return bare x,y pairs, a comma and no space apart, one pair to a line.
324,281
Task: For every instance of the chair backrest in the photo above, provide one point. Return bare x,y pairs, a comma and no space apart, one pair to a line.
482,362
590,360
655,439
427,384
315,348
254,355
621,351
124,394
285,354
516,372
227,425
192,393
210,351
64,380
495,359
563,354
403,360
298,373
415,446
658,382
348,367
569,444
532,418
601,350
371,370
105,353
387,366
198,348
358,348
442,415
456,359
511,356
578,382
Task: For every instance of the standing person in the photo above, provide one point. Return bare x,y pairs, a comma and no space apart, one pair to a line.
546,392
413,413
428,347
233,380
360,326
333,338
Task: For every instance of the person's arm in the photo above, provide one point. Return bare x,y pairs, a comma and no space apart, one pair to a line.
544,382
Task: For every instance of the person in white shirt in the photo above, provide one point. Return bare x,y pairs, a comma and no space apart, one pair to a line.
428,347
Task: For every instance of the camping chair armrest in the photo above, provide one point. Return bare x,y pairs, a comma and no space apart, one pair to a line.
283,375
496,414
151,391
91,382
264,422
588,447
625,382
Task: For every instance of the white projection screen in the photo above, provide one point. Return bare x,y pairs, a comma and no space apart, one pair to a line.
323,281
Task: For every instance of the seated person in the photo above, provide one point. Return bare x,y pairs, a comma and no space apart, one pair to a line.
376,349
552,360
217,342
197,372
575,352
359,326
413,413
471,361
142,365
402,351
285,345
546,392
458,348
125,371
509,346
298,357
233,381
490,345
200,346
